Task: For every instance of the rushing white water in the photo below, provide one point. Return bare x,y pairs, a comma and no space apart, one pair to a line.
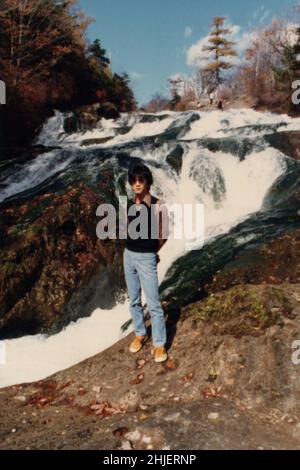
218,124
246,183
37,171
211,124
53,131
241,185
33,358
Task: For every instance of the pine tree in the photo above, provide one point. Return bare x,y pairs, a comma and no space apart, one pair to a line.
96,50
220,47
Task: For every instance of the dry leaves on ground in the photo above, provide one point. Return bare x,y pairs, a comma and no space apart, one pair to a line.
212,391
106,408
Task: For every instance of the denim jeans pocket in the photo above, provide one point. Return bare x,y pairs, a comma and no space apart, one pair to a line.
148,257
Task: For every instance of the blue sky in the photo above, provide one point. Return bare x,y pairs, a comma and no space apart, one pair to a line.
153,40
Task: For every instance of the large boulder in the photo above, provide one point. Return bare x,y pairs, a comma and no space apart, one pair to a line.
54,269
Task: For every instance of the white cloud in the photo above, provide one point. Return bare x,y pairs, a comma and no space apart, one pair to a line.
195,56
136,75
188,32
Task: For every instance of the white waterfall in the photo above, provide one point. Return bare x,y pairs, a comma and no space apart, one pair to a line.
241,185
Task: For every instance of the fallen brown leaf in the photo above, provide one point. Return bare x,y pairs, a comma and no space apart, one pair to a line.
106,409
137,380
170,364
212,392
39,400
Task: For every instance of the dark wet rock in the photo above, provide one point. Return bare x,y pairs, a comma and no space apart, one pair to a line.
200,269
174,158
122,130
287,142
235,146
96,141
177,129
108,110
153,117
266,128
51,258
285,192
86,117
274,262
79,122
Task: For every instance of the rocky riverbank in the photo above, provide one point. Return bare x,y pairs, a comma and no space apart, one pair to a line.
229,382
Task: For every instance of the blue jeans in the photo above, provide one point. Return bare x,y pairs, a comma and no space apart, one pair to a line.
141,271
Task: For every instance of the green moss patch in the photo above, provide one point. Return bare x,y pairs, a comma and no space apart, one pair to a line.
242,310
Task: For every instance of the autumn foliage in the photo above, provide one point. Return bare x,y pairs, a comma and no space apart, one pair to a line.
47,62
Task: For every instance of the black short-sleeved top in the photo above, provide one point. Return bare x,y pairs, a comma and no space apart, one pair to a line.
143,245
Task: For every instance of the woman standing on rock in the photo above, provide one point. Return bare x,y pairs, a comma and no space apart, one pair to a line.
141,258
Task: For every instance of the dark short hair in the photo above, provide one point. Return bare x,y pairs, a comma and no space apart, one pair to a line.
140,170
